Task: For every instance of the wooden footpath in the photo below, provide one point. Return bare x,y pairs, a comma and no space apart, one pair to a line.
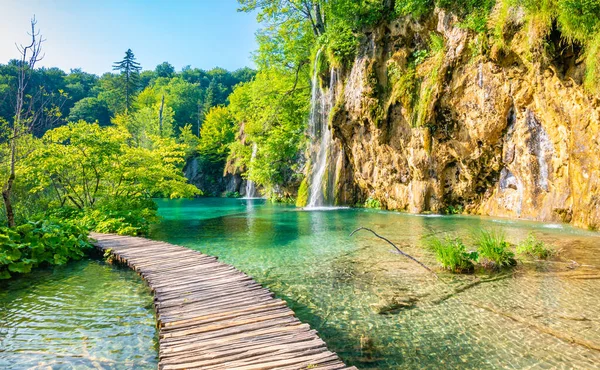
212,316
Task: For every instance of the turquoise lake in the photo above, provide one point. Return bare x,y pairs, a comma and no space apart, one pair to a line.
540,315
338,283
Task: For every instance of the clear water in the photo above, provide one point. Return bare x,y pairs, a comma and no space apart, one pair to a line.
86,315
339,284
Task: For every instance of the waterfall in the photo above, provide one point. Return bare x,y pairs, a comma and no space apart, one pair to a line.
250,185
320,180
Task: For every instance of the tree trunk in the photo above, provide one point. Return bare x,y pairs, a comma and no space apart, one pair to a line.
389,5
199,116
160,115
7,191
127,92
320,25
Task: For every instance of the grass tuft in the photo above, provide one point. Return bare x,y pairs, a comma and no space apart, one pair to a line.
494,249
452,254
535,248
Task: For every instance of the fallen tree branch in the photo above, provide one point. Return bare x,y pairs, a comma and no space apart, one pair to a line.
398,249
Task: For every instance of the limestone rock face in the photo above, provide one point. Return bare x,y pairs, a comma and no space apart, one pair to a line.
211,181
503,135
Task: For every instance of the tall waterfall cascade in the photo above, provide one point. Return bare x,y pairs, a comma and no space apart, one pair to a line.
250,185
321,177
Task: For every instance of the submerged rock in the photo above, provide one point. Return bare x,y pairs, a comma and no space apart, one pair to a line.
393,305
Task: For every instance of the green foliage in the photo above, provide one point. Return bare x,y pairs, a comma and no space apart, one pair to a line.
91,110
534,248
452,254
49,241
302,198
271,111
165,69
454,210
494,249
474,13
189,140
216,135
419,56
430,71
134,220
232,194
81,165
404,84
341,44
416,8
579,20
372,203
592,61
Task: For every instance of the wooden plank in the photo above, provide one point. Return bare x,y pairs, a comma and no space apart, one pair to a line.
212,316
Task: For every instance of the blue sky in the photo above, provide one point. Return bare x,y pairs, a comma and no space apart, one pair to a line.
92,34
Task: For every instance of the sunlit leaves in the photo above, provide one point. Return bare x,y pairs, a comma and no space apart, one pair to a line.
32,244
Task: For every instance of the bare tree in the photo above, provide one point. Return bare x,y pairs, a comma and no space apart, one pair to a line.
160,115
33,109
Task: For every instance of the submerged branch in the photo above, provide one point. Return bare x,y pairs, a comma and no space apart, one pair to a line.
398,249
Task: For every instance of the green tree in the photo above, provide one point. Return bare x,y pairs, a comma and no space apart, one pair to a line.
216,135
79,84
130,74
270,111
86,165
90,110
165,69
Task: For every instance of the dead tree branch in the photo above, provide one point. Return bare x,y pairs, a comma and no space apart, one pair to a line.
398,249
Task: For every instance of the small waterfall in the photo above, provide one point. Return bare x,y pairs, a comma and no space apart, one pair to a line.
250,185
315,101
321,191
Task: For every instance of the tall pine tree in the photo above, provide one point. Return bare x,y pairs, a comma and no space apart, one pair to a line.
130,73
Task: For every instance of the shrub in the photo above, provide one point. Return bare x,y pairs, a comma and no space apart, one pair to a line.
416,8
453,255
341,43
494,249
430,72
535,248
454,210
118,216
372,203
52,242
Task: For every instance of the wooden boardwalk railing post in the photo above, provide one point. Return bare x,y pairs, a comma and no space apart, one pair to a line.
212,316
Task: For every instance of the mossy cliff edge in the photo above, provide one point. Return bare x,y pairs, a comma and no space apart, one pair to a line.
436,117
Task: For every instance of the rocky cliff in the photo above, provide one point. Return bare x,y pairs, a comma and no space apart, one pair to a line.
210,179
509,131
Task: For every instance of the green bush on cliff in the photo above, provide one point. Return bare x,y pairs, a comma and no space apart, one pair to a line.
430,72
302,198
372,203
416,8
341,44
